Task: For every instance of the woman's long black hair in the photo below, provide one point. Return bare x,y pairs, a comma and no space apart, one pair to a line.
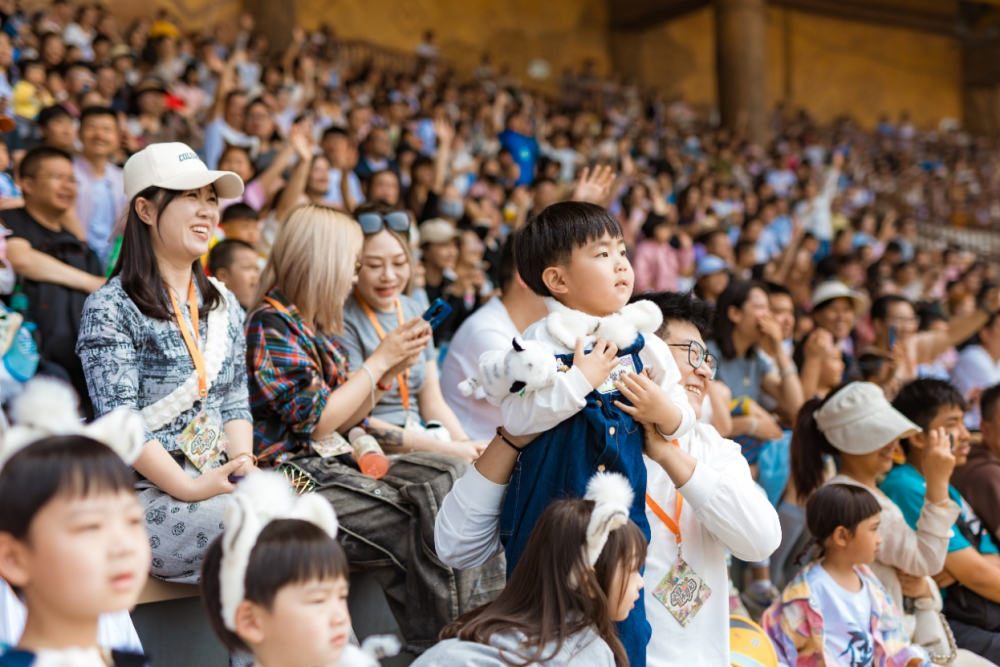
139,269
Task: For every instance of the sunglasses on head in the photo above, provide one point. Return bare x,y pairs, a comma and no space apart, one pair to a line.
372,223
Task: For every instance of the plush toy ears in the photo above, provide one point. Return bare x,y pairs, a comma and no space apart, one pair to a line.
612,495
518,345
48,408
261,498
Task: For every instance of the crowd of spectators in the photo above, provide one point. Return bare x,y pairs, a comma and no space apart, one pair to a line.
807,246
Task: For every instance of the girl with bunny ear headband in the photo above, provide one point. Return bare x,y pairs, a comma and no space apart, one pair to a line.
72,541
578,576
275,582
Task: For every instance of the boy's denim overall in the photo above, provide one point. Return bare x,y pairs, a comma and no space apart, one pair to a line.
560,463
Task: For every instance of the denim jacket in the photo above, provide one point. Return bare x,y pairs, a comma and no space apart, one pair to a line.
794,624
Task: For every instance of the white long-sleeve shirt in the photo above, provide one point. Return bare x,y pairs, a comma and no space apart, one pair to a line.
723,509
548,407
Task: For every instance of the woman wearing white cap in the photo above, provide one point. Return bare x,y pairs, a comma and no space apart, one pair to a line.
162,338
861,430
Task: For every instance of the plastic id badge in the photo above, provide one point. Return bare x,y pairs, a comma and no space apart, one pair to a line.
682,592
332,445
203,442
626,365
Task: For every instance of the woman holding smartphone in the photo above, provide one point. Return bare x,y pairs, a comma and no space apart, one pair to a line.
411,414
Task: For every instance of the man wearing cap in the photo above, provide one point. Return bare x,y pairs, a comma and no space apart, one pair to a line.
57,268
711,275
439,251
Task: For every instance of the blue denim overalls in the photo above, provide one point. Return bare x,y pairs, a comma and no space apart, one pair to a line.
560,463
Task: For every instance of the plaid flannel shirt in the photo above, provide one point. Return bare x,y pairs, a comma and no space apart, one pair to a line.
285,359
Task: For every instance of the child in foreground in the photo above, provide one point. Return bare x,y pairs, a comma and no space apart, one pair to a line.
275,582
573,254
835,612
72,541
579,574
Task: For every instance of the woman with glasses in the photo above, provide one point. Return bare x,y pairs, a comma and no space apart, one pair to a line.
411,414
304,399
702,477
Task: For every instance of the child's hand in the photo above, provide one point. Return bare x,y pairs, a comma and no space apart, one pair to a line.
650,403
597,364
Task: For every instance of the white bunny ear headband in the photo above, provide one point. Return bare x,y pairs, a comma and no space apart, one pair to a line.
612,495
47,408
258,500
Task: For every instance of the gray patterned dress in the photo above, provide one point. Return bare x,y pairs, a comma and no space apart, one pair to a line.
132,360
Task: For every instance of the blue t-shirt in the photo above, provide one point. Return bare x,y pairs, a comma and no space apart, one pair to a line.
525,153
906,487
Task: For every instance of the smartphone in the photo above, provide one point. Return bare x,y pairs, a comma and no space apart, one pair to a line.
951,438
437,313
892,336
236,479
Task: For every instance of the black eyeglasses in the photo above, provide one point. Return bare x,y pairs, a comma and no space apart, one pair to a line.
697,355
371,223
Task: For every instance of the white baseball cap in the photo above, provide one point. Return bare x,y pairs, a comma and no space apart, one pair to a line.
834,289
859,419
175,166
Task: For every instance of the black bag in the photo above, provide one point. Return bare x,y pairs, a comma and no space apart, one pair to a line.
963,604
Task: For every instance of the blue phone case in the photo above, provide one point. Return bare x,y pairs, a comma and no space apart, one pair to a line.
437,313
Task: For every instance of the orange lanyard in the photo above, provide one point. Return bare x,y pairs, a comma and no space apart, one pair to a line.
192,343
284,311
401,380
658,511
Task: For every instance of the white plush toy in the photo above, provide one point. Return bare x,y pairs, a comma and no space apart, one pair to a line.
526,367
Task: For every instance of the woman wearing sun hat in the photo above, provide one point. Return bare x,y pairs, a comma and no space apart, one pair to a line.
162,338
858,427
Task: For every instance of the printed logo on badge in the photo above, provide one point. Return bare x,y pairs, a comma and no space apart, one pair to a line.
682,592
626,365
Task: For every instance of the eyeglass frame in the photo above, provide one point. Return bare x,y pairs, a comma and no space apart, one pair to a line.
705,354
372,222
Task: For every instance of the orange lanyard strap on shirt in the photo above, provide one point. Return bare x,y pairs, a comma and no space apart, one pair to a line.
401,380
673,525
192,343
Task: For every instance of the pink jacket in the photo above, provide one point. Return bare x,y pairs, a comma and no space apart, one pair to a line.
658,266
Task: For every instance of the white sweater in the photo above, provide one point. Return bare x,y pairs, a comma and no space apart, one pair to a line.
723,509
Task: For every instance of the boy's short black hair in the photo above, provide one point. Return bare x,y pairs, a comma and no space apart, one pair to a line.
288,551
96,111
549,238
776,289
221,256
52,113
920,401
681,307
880,309
33,159
65,465
239,211
508,271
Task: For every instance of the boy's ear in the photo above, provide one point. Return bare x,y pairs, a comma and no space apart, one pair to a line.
14,561
555,280
221,274
249,625
918,440
841,536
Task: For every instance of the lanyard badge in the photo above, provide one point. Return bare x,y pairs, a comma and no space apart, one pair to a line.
683,592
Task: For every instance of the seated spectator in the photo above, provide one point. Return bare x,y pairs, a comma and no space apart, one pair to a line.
260,187
56,267
342,156
662,257
413,413
970,581
743,321
58,128
227,116
492,327
302,399
10,193
439,250
895,323
836,308
30,94
234,263
100,201
240,222
138,348
375,154
978,367
701,473
712,277
152,122
979,479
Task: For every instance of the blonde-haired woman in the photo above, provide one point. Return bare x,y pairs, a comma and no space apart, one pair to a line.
302,398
